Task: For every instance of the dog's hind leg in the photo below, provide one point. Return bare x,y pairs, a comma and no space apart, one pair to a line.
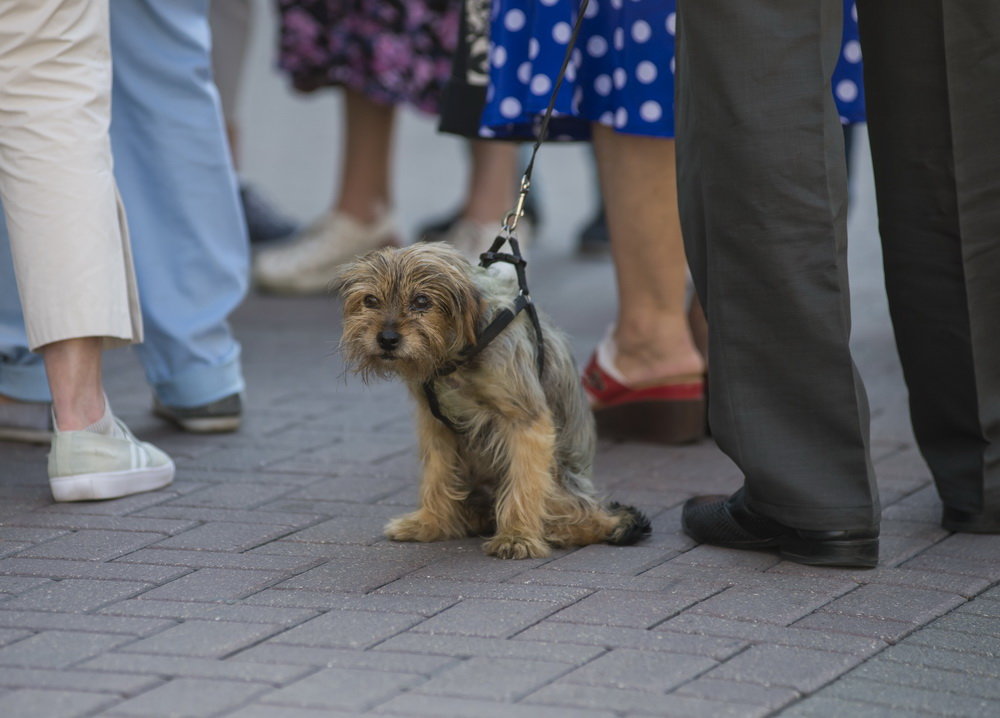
580,522
442,514
631,525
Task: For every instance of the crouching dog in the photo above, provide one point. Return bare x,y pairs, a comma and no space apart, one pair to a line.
506,437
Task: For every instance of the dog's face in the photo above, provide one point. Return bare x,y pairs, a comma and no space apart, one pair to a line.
407,311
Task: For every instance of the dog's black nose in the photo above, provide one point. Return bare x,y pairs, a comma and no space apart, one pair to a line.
388,339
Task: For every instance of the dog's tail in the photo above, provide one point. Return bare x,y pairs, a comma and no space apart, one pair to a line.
633,526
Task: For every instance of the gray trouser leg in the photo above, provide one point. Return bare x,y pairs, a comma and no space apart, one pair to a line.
932,69
763,198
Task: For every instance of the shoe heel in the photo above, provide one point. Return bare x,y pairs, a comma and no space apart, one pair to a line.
657,422
853,553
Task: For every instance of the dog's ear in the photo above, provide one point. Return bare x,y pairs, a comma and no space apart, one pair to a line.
361,269
469,308
344,277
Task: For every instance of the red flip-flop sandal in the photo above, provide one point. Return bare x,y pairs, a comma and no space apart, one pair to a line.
661,414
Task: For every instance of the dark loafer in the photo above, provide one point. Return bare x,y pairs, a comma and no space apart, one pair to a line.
984,522
727,521
223,415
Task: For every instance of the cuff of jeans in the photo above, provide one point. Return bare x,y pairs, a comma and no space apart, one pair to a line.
24,382
202,385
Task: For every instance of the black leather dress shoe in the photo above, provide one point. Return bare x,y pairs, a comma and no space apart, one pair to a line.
984,522
727,521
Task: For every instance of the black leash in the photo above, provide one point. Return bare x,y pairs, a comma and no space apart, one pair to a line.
493,255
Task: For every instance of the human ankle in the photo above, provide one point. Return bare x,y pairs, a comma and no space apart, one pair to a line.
363,212
95,417
657,358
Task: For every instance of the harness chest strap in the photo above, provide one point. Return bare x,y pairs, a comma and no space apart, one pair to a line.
487,335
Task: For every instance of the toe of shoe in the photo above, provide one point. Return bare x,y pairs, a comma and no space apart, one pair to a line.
707,519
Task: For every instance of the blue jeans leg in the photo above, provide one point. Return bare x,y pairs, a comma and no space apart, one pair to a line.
176,177
22,374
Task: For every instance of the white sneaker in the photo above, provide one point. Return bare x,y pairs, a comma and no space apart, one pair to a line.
84,466
472,238
307,265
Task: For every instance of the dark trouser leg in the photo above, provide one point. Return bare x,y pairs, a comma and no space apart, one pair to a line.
934,122
762,187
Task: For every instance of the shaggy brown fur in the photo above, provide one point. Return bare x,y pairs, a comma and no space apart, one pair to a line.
518,467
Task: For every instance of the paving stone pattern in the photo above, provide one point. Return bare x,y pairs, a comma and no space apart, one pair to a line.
259,583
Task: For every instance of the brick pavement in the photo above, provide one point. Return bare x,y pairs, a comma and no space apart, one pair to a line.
259,583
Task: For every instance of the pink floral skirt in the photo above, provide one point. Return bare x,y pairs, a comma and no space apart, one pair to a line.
392,51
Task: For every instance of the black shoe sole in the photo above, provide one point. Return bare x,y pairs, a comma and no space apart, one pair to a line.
708,520
855,553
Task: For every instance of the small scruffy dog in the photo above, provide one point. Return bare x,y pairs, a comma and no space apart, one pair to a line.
512,455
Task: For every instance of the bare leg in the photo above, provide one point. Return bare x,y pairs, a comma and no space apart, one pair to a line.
492,179
639,185
364,180
359,219
73,368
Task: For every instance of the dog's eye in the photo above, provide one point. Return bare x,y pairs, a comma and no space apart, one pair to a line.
370,301
420,302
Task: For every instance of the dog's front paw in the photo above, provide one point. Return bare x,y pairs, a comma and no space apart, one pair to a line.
416,527
516,547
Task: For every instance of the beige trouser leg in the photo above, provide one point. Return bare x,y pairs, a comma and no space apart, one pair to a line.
67,227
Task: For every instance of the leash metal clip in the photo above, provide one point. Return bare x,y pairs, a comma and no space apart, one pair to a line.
511,218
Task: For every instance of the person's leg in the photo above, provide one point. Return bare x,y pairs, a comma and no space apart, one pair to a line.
360,217
638,183
173,165
932,69
231,23
69,242
25,413
595,239
492,181
645,380
490,192
93,455
762,189
22,373
74,370
365,191
70,247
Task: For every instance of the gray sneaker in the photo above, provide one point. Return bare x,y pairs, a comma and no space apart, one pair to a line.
26,421
84,466
223,415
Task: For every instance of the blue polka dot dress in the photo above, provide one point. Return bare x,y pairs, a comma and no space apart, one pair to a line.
621,73
848,84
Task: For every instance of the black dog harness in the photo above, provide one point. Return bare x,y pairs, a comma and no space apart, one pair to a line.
492,330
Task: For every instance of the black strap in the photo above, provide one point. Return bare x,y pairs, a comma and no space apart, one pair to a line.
435,407
544,127
492,330
523,300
